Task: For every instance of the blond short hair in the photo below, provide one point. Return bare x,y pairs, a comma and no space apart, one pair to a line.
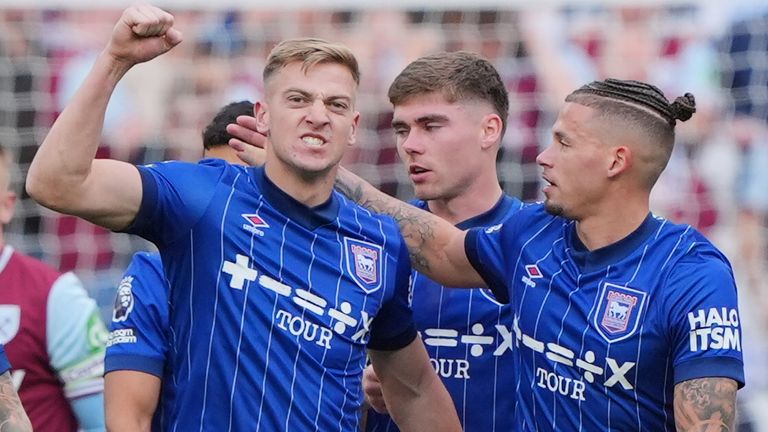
310,52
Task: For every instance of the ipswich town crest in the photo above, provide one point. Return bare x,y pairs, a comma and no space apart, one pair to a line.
619,312
364,263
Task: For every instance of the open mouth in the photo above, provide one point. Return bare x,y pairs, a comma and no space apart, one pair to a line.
313,141
414,169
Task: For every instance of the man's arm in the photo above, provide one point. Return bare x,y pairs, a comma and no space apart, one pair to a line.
706,405
13,418
436,247
130,400
75,337
416,398
64,175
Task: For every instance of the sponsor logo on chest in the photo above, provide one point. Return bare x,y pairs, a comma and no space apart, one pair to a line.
299,322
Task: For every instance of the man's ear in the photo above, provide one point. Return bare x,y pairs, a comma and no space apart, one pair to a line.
7,207
621,160
353,131
492,126
262,118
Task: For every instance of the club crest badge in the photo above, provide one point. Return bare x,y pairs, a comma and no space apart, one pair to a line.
364,263
10,318
619,311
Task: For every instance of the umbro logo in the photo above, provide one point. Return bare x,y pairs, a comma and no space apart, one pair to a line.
533,272
493,229
255,224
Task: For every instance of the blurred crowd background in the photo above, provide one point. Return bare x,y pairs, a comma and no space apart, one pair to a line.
717,180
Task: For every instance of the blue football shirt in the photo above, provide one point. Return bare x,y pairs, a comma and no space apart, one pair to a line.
602,337
469,338
140,331
272,303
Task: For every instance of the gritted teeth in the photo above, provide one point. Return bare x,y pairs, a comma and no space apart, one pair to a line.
313,141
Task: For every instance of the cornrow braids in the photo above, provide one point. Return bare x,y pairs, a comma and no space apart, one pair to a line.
645,95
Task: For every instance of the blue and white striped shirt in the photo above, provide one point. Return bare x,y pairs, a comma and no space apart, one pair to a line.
602,337
469,338
272,303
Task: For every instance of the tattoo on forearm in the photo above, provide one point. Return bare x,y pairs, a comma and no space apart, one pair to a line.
705,405
350,190
13,418
414,226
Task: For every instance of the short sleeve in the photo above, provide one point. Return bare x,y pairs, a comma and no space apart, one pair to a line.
705,324
393,327
75,337
137,338
175,196
486,251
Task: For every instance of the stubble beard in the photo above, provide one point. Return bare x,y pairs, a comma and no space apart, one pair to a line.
555,209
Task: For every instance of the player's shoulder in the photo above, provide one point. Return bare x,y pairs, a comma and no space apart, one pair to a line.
356,221
145,267
689,246
224,169
204,168
349,209
28,267
531,215
146,259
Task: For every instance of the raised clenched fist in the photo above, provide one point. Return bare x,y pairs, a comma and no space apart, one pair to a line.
142,33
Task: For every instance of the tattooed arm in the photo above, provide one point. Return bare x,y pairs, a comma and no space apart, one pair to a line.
436,246
705,405
13,418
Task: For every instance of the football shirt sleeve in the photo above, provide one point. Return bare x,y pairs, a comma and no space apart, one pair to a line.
175,196
137,337
393,326
75,343
75,337
705,324
486,250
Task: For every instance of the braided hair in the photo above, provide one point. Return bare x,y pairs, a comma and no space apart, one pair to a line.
645,95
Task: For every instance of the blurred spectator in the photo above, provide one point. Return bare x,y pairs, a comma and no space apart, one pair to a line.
745,77
744,74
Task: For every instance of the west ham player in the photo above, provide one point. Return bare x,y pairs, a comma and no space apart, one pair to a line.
278,283
12,415
53,335
450,113
622,320
139,341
